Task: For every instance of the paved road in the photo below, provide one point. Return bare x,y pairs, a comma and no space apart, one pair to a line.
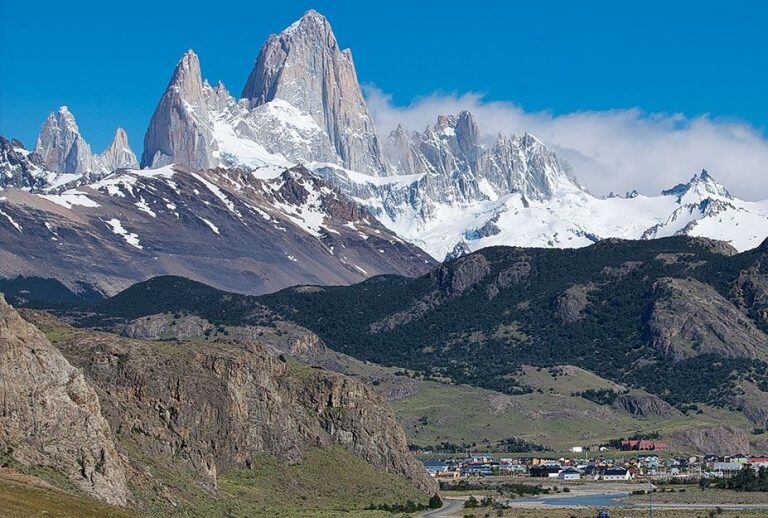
450,507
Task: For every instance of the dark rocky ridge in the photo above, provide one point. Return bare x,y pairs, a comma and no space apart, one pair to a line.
673,317
689,318
199,408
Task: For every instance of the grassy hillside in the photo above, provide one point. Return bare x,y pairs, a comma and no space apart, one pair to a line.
329,482
23,496
478,320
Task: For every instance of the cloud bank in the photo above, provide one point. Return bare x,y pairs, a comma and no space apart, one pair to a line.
615,150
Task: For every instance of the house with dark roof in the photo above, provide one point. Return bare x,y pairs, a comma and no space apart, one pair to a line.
615,474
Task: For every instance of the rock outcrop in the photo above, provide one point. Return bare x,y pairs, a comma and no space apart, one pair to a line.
19,168
304,66
712,440
211,407
118,155
569,306
51,416
462,274
61,146
180,130
643,404
689,318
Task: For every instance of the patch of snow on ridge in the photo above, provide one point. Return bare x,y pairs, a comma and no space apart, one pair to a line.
210,225
16,225
403,180
117,228
142,206
219,194
308,216
70,198
235,150
160,172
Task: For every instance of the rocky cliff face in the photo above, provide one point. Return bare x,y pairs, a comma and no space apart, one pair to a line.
304,66
712,440
690,318
118,155
51,416
19,168
643,404
64,150
180,130
207,408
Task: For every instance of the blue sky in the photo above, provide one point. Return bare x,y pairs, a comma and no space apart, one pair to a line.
110,61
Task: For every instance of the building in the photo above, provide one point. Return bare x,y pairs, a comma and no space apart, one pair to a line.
577,449
513,469
759,462
643,444
548,470
727,468
615,474
569,474
435,467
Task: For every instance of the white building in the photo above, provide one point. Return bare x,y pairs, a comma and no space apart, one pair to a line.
616,474
569,474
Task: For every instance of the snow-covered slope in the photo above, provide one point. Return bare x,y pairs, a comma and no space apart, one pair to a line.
239,230
572,218
449,189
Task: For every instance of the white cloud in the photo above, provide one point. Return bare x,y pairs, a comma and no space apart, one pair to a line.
615,150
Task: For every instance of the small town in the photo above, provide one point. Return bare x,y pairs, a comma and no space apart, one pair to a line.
601,467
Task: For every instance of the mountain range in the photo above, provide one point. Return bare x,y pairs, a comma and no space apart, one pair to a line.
211,166
666,336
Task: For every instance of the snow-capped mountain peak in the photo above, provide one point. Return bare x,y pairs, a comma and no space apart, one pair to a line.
700,186
450,188
61,146
305,67
64,150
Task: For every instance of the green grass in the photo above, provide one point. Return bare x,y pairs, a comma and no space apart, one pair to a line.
327,481
462,414
19,500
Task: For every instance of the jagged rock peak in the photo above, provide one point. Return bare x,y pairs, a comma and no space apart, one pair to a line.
61,146
304,66
311,20
18,167
119,154
700,184
705,183
180,129
187,77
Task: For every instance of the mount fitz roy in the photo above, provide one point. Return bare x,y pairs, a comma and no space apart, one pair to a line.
298,156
